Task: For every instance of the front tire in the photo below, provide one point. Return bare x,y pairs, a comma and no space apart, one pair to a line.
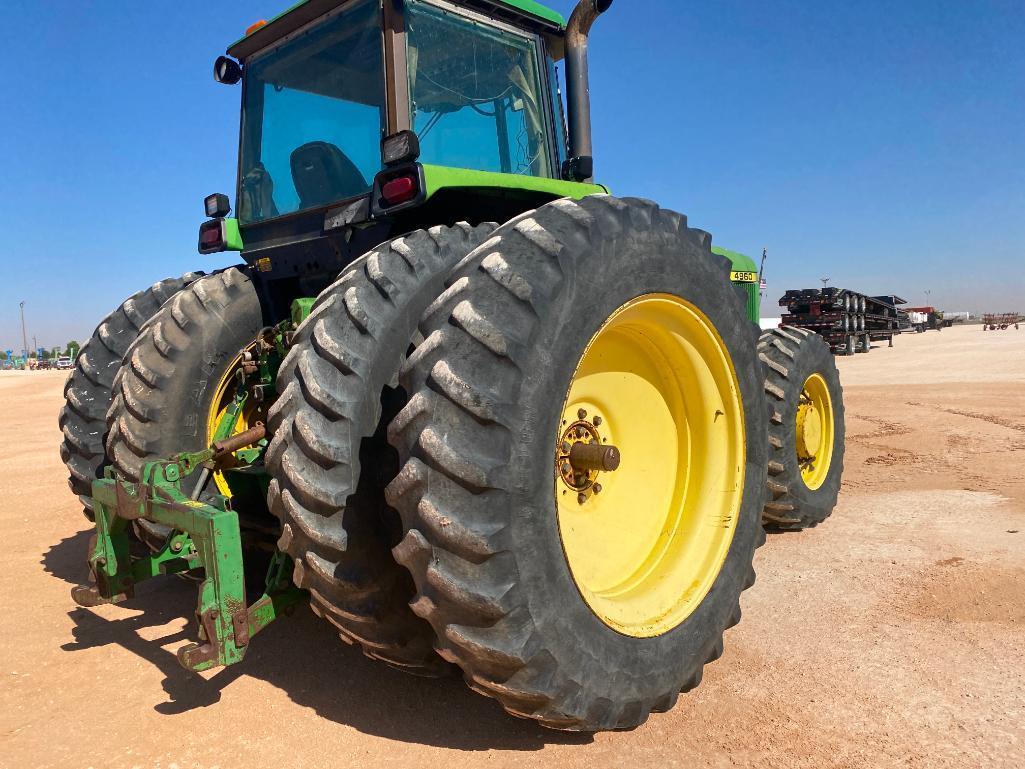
488,540
806,429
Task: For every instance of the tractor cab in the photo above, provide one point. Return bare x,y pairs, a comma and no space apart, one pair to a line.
391,116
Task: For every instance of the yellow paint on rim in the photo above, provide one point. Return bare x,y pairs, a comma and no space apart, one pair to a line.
645,550
815,424
223,397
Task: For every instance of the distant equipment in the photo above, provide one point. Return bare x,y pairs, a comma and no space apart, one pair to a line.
934,319
847,320
1001,321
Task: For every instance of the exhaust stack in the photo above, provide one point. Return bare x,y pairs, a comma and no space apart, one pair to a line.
580,166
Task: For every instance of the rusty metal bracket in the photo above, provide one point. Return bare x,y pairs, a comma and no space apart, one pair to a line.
240,624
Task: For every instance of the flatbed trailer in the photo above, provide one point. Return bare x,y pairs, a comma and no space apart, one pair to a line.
903,317
849,321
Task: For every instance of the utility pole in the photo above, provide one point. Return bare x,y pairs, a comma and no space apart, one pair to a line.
24,336
825,281
928,293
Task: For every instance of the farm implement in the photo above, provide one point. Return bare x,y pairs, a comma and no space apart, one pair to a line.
1000,321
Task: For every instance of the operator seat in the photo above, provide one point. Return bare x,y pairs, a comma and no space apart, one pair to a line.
323,174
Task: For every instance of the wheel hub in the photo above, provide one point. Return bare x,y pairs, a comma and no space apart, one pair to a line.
241,375
583,455
809,428
814,431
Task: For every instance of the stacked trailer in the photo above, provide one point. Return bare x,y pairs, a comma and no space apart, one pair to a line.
902,316
847,320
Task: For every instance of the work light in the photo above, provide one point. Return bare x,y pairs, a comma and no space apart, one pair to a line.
402,147
217,205
227,71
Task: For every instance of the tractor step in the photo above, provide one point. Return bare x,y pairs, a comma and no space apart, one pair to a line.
202,536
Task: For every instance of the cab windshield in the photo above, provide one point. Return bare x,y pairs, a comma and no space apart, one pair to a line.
313,116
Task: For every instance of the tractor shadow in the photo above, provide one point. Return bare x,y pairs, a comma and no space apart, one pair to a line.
304,658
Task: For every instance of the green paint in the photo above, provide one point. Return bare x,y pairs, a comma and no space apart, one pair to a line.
232,236
443,177
528,7
536,10
301,309
204,536
743,263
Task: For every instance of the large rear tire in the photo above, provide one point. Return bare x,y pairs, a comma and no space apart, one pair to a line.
329,460
570,295
806,429
87,393
165,391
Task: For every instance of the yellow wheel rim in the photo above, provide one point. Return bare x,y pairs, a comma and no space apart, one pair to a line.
814,431
646,541
223,397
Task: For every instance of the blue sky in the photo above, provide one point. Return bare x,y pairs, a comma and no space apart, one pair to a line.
881,144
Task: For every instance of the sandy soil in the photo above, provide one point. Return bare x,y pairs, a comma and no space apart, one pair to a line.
890,636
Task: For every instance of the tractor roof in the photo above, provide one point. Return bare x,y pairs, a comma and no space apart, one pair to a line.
740,261
523,12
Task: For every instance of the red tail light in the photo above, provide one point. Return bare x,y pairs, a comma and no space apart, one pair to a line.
399,190
211,237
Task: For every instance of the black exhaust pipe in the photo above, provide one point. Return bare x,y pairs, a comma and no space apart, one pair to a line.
580,166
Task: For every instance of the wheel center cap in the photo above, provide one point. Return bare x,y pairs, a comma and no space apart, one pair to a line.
809,431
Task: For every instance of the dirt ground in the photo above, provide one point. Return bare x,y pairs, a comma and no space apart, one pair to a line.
893,635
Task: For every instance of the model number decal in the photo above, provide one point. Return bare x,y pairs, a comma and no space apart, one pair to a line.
744,277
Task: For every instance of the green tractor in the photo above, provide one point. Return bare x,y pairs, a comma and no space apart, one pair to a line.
479,413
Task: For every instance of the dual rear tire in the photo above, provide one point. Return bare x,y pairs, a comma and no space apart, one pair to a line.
329,459
555,585
514,601
492,542
167,391
89,389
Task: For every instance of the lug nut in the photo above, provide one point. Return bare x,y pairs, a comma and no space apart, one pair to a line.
566,446
176,547
581,414
596,488
567,468
597,421
581,497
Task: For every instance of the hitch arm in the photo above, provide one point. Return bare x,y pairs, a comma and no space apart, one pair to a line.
203,536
